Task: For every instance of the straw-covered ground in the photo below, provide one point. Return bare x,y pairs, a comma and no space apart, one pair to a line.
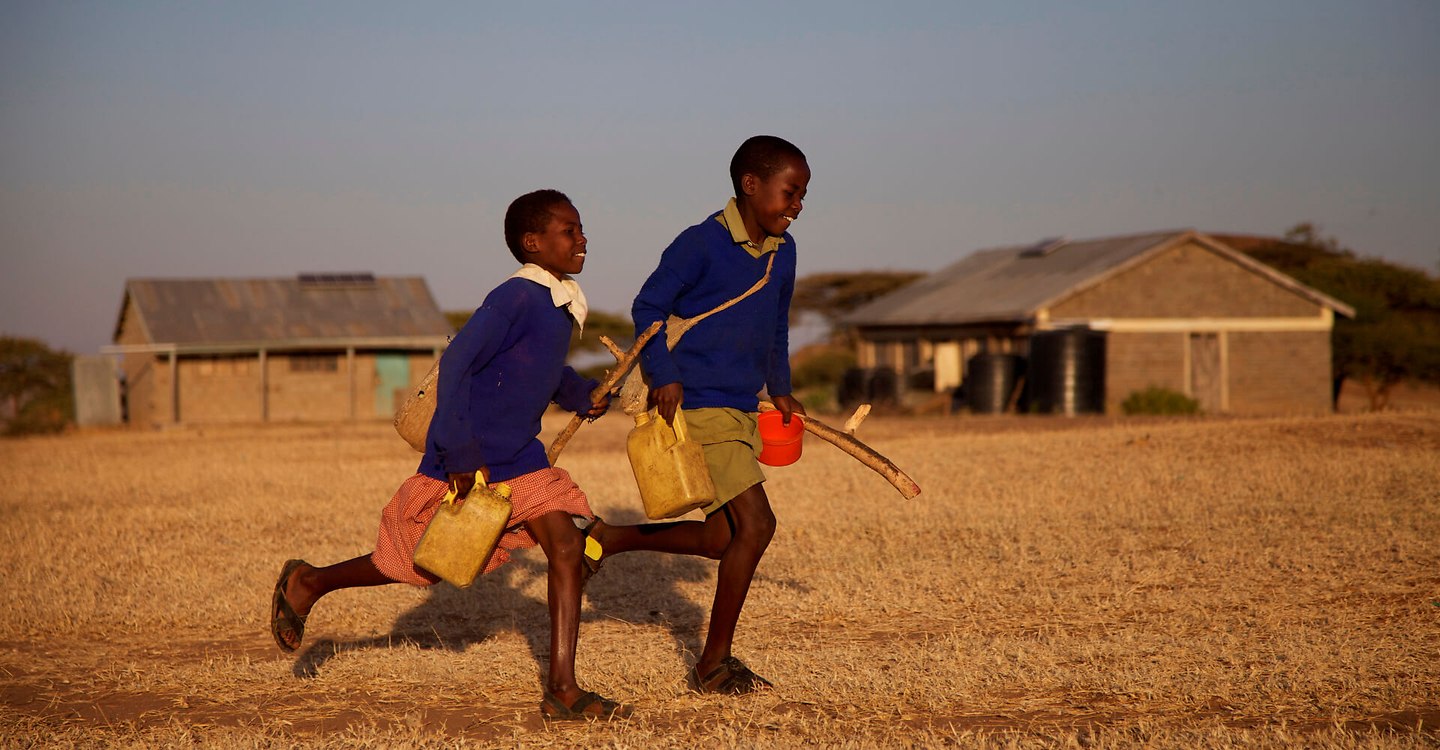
1087,583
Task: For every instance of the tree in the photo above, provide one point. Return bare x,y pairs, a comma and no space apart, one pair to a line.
1395,334
597,323
833,294
36,394
458,318
620,329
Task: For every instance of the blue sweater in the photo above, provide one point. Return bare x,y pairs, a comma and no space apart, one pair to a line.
726,358
496,379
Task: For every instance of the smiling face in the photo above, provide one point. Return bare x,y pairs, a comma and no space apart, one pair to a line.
560,249
770,204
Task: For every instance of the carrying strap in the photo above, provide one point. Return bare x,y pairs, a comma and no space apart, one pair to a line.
676,327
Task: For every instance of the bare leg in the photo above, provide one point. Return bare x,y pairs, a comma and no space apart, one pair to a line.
563,544
308,583
754,526
707,538
737,535
304,584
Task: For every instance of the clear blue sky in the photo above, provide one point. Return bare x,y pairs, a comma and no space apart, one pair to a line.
185,139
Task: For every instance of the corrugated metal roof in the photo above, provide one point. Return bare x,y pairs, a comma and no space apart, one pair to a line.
1013,283
230,311
1004,283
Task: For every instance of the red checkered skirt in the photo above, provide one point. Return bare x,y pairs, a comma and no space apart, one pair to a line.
404,519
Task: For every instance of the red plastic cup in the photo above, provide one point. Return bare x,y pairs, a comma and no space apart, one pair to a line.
780,444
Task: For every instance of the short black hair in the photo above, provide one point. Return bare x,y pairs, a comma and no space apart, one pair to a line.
762,156
529,213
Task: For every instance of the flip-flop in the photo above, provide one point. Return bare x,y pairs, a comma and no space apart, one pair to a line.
731,677
588,707
282,616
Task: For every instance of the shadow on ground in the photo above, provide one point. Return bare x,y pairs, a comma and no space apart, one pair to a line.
637,588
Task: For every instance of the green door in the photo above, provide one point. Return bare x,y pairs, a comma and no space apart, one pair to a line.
392,377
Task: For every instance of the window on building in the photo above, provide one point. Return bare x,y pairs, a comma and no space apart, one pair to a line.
314,363
219,366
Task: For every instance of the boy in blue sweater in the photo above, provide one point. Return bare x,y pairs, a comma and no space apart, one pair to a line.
716,371
503,369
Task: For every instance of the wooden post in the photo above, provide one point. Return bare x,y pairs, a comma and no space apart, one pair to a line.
174,389
350,373
264,386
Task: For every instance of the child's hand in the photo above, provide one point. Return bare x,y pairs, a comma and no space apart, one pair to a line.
461,484
464,482
666,399
598,410
787,405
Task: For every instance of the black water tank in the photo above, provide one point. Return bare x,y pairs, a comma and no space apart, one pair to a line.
1066,373
877,385
883,386
990,381
853,389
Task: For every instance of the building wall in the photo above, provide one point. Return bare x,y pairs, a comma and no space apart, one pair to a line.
1285,372
1136,361
219,389
145,380
1263,368
227,389
1185,282
300,387
301,392
146,376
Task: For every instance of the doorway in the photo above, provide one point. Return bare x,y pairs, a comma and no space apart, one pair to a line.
392,377
1206,377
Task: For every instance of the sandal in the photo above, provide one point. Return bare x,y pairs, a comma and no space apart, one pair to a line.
588,707
282,616
731,677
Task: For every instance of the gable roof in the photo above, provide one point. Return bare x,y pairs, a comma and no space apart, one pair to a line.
309,310
1013,283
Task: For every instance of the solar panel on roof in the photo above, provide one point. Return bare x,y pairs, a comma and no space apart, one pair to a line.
1044,247
336,280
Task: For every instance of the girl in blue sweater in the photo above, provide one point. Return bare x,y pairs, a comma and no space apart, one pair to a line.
503,369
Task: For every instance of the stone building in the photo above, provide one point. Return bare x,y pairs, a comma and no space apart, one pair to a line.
315,348
1178,310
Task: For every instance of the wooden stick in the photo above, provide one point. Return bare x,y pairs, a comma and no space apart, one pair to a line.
853,423
859,451
622,366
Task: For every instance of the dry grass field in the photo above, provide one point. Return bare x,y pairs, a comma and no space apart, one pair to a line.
1082,583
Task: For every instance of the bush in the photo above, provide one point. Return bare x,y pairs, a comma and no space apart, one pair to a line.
820,364
36,395
819,399
1162,401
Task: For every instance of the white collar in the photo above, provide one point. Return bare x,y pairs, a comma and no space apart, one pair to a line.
563,292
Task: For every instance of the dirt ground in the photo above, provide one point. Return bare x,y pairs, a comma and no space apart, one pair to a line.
1088,582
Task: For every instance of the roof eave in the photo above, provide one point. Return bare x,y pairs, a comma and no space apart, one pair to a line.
1015,318
1279,278
289,345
